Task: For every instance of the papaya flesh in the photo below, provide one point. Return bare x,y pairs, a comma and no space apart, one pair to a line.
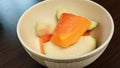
69,29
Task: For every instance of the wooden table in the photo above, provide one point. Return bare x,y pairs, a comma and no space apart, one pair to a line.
12,54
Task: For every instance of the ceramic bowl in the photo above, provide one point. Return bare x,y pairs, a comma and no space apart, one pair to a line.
45,12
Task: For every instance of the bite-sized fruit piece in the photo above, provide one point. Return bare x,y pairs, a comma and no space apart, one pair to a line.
41,29
84,45
43,39
44,28
93,25
69,29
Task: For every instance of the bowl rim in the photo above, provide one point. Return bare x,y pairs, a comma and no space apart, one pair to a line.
68,58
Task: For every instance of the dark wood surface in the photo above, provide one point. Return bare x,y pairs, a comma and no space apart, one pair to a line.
12,54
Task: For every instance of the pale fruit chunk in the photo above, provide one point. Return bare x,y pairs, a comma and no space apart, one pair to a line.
93,25
84,45
44,28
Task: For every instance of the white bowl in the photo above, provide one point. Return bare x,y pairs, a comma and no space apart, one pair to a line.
45,12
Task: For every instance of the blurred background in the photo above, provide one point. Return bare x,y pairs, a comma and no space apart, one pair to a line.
10,12
10,47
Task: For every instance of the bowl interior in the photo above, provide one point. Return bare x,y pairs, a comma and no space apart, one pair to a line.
46,12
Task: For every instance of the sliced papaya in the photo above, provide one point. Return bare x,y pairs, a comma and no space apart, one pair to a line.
43,39
69,29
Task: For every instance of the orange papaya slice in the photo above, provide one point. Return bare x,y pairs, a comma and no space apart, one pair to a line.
69,29
43,39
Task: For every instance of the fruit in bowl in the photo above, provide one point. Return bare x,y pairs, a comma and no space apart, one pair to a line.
69,37
45,12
